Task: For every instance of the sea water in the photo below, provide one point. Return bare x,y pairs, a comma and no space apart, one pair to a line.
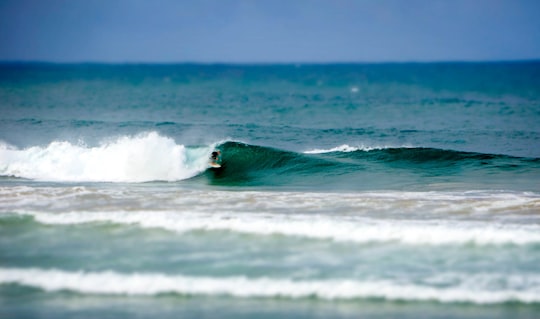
347,190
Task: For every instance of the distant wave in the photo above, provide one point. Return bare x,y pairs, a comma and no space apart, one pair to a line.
488,288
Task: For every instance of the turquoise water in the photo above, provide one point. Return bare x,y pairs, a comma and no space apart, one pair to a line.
346,191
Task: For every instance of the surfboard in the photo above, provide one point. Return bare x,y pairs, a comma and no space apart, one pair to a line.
214,165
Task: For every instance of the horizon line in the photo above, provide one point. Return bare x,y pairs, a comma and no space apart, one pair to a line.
263,63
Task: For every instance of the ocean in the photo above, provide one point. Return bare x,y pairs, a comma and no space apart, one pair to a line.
392,190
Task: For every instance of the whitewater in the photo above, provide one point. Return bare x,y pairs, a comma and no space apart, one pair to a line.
110,283
146,157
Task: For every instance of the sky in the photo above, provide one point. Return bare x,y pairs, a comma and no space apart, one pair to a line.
269,31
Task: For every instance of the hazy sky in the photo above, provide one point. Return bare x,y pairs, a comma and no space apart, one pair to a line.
268,30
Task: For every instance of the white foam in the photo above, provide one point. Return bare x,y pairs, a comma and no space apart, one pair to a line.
6,146
342,148
145,157
345,148
315,226
423,218
381,203
473,288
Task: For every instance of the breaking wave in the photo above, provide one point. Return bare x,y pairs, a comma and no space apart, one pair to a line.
488,288
152,157
313,226
141,158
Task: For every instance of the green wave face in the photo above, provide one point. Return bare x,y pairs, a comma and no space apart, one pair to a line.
247,165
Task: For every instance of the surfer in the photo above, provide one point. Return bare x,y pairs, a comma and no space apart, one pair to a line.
215,159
